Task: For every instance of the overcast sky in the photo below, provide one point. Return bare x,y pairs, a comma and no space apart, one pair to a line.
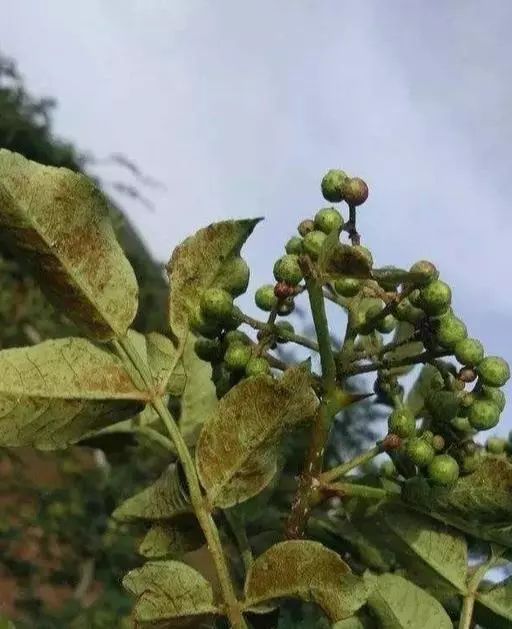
239,108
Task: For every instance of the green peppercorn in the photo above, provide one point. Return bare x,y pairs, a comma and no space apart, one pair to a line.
424,272
216,304
388,469
494,395
333,185
495,445
294,245
438,443
405,311
347,286
355,191
387,324
306,226
483,415
461,424
443,470
313,242
469,352
365,253
402,422
237,356
328,219
208,349
419,451
443,405
235,336
203,327
257,366
493,371
450,330
235,276
265,298
287,269
436,297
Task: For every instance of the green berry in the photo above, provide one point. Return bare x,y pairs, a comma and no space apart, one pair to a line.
284,326
469,463
265,298
450,330
420,452
402,422
415,298
237,356
469,352
294,245
313,242
287,269
443,470
216,304
424,272
461,424
333,185
388,469
257,366
208,349
236,336
286,307
387,324
371,313
328,219
443,405
347,286
387,278
405,311
203,327
306,226
427,435
493,371
436,297
493,395
483,415
495,445
235,276
438,443
355,191
365,253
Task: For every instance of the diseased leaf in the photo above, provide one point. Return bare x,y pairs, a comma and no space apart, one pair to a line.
494,608
172,539
340,260
169,374
163,500
53,393
236,454
168,590
56,222
361,621
399,604
307,570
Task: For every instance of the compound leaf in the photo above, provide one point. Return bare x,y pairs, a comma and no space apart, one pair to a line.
494,608
56,222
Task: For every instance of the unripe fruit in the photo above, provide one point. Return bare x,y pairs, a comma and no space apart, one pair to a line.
443,405
333,185
236,336
461,424
365,253
294,245
237,356
284,326
216,304
328,219
208,349
424,272
483,415
305,227
313,242
450,330
420,452
436,297
493,395
470,463
265,298
402,422
234,319
347,286
202,326
415,298
355,191
493,371
469,352
235,276
387,324
287,269
427,435
257,366
495,445
286,307
388,469
438,443
443,470
388,283
405,311
368,323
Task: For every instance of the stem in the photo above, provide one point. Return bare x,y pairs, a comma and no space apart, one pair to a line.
349,489
424,357
467,611
355,238
316,301
289,336
346,467
240,534
201,508
155,436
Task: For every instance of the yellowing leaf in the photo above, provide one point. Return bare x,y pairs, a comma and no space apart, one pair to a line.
56,222
236,454
53,393
169,374
339,260
307,570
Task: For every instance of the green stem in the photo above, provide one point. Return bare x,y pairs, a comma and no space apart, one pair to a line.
316,301
344,468
349,489
201,508
466,615
155,436
289,336
424,357
238,528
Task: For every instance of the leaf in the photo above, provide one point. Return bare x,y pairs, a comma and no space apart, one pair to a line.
399,604
5,623
307,570
169,374
236,455
56,222
163,500
423,385
197,264
199,398
53,393
172,539
340,260
494,608
168,590
361,621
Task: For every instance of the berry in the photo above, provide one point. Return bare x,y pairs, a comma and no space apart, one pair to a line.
202,326
305,227
216,304
294,245
257,366
420,452
347,286
405,311
387,324
438,443
234,319
369,316
387,282
284,326
365,253
469,352
388,469
443,470
235,276
287,269
469,463
461,424
236,336
391,442
427,435
483,415
282,290
494,395
355,191
237,356
208,349
493,371
265,298
443,405
495,445
402,422
333,185
424,272
466,374
328,219
450,330
436,297
286,307
313,242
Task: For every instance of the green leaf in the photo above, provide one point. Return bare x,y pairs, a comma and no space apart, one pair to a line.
53,393
422,386
340,260
168,374
172,539
167,590
56,222
361,621
236,455
198,263
5,623
307,570
399,604
163,500
494,608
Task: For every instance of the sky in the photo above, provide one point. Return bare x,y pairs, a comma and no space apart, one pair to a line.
239,108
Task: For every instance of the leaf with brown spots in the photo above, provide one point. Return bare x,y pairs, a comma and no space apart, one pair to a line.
53,393
307,570
167,590
339,260
56,222
172,539
236,455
